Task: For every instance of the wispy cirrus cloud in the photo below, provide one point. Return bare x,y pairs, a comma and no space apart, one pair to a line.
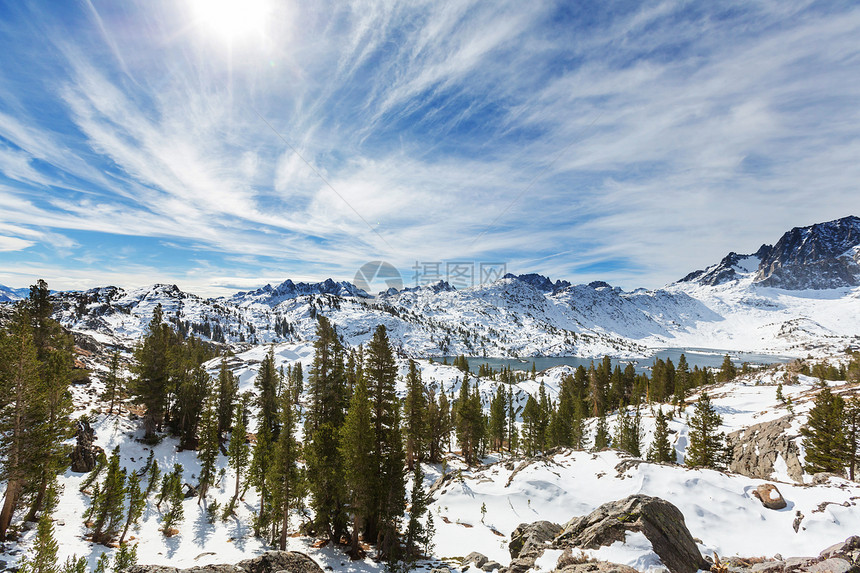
629,143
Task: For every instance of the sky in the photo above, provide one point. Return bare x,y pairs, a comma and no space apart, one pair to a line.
221,145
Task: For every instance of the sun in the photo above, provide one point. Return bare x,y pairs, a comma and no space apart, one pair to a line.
232,19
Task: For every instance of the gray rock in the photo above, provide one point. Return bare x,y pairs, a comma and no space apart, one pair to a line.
796,563
769,496
491,566
477,558
756,449
660,521
833,565
269,562
768,567
529,538
597,567
842,549
440,570
521,564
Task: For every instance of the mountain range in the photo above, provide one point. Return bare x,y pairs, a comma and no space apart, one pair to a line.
797,296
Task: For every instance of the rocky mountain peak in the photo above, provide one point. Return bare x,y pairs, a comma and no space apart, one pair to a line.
821,256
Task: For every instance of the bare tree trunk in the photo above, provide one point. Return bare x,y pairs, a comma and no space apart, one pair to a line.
13,489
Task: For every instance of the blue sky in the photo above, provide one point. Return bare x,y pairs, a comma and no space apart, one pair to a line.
221,145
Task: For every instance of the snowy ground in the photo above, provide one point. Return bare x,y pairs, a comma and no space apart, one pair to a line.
720,510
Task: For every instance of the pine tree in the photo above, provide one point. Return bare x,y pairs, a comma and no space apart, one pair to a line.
44,559
728,371
498,420
113,382
193,385
153,475
228,389
414,412
852,434
707,447
389,491
628,433
824,436
284,475
19,374
152,382
174,498
268,427
357,453
661,450
470,421
326,412
601,434
136,503
416,532
237,454
208,446
109,512
531,426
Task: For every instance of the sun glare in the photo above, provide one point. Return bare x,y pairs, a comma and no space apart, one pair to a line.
232,18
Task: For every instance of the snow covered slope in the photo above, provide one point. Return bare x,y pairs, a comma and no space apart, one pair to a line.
733,305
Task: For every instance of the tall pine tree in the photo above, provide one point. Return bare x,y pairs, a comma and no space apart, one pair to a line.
824,436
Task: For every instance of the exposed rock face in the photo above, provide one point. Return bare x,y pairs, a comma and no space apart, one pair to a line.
660,521
822,256
269,562
531,538
843,557
769,496
85,453
757,448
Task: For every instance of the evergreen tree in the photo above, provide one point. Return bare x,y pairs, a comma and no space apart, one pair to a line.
208,446
824,436
284,473
601,434
661,450
109,512
470,421
728,371
153,475
389,491
19,419
174,498
628,432
707,447
531,426
327,393
357,453
498,419
414,410
113,382
152,382
136,500
416,532
268,427
852,434
193,385
237,454
228,390
44,558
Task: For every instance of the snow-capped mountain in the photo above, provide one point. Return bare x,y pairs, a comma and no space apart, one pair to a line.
272,296
8,294
822,256
733,305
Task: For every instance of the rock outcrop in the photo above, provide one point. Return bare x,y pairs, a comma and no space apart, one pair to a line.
85,454
843,557
756,450
661,522
269,562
